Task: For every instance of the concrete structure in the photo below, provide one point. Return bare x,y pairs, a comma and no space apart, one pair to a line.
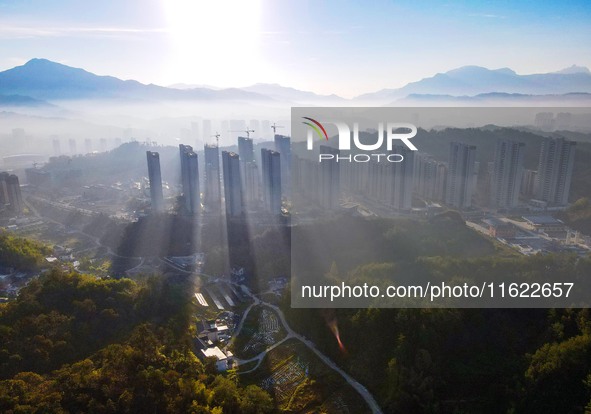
507,173
155,178
329,180
500,229
190,179
213,194
222,360
429,177
245,149
232,184
283,147
72,145
251,187
394,180
460,175
57,151
211,330
271,161
555,170
250,173
10,193
529,183
547,225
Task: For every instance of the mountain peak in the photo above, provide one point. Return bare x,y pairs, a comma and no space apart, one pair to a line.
574,69
478,70
40,62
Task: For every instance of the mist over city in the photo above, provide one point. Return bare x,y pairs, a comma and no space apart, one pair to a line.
295,207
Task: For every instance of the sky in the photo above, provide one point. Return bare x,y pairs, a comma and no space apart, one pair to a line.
331,46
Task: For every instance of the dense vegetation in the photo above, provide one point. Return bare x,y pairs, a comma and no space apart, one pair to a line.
578,216
447,360
461,360
73,343
23,254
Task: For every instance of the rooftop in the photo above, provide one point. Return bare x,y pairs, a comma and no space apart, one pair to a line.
495,222
214,352
541,220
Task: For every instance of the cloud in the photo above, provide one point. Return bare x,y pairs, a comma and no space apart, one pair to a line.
488,16
30,32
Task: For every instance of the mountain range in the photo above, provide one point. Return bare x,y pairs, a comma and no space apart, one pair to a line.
476,80
41,82
43,79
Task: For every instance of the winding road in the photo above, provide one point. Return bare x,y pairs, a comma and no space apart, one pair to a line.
365,394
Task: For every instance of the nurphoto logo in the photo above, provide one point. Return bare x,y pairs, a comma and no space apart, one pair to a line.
395,134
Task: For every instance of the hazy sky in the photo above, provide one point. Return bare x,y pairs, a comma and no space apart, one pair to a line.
332,46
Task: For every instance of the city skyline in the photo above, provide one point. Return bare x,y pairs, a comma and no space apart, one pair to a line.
169,42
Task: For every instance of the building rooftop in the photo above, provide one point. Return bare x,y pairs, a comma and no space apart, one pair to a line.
214,352
495,222
541,220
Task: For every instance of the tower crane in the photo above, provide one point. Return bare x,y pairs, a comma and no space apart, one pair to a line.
248,131
275,126
217,139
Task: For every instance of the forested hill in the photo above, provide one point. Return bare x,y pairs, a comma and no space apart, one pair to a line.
72,343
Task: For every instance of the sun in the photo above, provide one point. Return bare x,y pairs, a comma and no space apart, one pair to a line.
215,41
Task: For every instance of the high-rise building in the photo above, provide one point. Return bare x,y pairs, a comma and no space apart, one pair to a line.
271,162
14,194
212,193
245,149
251,188
72,144
206,129
429,177
399,180
507,173
4,200
544,121
529,183
283,147
10,193
249,172
56,146
460,175
155,177
255,125
237,125
190,179
196,133
88,145
555,170
329,188
306,175
232,184
265,128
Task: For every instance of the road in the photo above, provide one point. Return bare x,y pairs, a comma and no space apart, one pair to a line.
365,394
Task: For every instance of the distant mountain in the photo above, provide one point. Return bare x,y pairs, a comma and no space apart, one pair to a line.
193,86
475,80
46,80
284,93
574,69
20,100
510,99
41,82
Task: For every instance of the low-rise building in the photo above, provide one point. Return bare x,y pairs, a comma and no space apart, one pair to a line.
499,228
223,360
547,225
